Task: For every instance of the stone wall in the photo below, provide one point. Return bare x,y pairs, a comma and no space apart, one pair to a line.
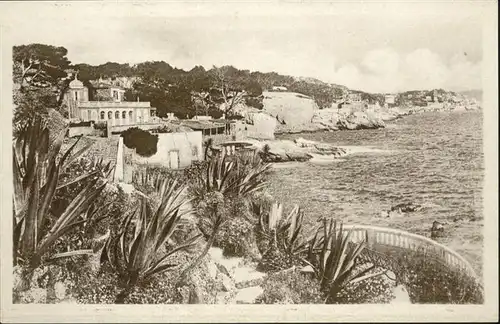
85,131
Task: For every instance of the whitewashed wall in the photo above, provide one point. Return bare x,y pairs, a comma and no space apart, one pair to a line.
188,144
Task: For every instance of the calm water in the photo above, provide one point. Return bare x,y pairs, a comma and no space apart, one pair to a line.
432,159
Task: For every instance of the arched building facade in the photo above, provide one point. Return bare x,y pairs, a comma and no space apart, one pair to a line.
112,109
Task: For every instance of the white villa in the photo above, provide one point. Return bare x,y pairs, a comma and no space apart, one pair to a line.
390,99
111,108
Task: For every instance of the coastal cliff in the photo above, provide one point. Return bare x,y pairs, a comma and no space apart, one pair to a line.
296,113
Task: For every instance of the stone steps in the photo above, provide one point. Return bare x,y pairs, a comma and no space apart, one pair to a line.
245,278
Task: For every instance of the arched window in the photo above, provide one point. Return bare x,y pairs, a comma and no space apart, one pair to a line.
110,115
102,114
124,114
130,115
117,115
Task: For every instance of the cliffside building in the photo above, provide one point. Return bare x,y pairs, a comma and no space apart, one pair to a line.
354,97
110,106
279,88
390,99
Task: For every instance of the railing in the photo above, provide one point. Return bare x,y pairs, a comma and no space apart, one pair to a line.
381,237
112,104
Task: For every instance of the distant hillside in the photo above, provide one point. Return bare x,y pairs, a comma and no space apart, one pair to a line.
322,93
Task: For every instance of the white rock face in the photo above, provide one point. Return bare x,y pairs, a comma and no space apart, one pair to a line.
327,117
292,108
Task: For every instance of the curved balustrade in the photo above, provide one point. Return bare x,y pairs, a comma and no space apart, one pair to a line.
377,237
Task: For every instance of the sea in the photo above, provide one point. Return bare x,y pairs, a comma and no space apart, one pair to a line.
432,159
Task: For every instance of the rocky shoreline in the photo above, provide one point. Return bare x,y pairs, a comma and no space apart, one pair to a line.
332,119
298,150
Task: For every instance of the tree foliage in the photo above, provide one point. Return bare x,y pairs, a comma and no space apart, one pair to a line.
185,93
144,143
40,80
39,65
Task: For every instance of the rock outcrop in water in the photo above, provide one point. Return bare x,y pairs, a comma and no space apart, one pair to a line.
437,229
400,209
299,150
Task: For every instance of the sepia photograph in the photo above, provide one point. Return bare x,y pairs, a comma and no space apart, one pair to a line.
241,155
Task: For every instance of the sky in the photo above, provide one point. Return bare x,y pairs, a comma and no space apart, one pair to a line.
378,47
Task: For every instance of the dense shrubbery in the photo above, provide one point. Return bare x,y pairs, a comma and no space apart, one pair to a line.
291,287
254,102
234,237
144,143
373,290
428,281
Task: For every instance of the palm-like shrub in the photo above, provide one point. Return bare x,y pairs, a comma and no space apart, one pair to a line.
139,250
280,238
36,169
334,258
70,180
216,188
221,181
228,178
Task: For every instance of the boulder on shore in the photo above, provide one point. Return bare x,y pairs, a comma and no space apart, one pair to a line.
360,120
298,150
346,119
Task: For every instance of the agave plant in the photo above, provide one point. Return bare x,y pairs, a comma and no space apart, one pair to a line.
36,169
222,175
285,231
334,258
281,237
220,183
139,250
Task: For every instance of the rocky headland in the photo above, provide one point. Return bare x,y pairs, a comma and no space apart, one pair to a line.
299,150
296,113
